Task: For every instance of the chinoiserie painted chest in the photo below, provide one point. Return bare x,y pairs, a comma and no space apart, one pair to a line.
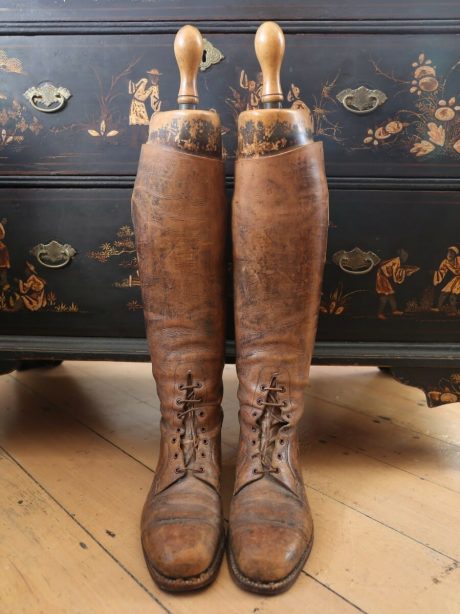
79,83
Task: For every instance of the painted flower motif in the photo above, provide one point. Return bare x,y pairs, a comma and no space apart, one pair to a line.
382,133
422,148
446,110
437,134
102,131
456,146
424,76
394,127
376,136
370,138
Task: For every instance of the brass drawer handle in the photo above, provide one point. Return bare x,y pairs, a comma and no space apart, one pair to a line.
356,261
361,100
47,97
53,255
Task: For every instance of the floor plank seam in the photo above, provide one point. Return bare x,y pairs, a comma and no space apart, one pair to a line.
71,416
396,424
327,587
123,390
387,526
82,526
385,462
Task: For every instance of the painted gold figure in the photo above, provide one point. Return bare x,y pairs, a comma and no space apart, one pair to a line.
142,91
4,256
254,90
451,291
32,290
390,272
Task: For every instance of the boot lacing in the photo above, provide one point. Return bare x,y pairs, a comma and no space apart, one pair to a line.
271,422
189,440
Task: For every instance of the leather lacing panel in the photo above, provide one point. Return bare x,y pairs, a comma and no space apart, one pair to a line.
189,439
272,424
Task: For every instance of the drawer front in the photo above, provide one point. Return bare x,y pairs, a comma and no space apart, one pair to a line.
130,10
393,267
116,83
389,275
49,290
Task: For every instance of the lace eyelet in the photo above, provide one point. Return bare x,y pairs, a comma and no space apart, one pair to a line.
178,430
201,469
203,455
253,442
259,401
181,386
254,413
288,416
179,470
282,389
179,401
203,429
173,440
205,441
198,385
279,456
282,442
201,414
254,471
176,455
253,429
263,387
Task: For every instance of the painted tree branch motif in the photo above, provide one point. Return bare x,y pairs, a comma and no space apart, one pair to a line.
433,125
122,248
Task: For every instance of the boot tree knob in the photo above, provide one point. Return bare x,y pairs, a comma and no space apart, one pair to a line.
188,49
269,45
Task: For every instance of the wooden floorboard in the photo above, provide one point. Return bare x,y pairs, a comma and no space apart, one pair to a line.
382,475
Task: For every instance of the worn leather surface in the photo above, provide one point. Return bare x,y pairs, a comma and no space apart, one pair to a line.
178,210
279,227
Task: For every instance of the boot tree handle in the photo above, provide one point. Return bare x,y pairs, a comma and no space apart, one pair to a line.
269,45
188,49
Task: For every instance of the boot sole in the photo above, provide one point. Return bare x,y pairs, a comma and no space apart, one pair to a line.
194,583
267,588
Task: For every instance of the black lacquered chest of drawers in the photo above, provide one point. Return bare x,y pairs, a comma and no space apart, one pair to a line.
79,82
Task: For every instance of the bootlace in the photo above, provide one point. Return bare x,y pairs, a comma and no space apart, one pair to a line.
271,422
189,440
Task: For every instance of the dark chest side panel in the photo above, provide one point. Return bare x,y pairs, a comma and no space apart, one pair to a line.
117,82
391,273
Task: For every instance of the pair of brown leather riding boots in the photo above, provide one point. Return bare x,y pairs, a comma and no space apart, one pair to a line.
279,228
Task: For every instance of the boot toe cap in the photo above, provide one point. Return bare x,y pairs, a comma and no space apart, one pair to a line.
178,550
268,553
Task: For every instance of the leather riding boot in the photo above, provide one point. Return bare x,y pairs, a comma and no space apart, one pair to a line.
279,229
178,209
